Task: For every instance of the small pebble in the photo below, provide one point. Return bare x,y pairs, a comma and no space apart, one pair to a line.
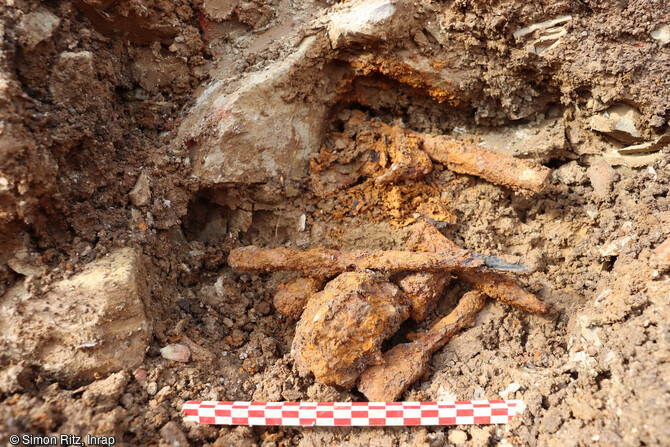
173,436
176,352
263,308
140,374
511,389
457,437
152,388
662,253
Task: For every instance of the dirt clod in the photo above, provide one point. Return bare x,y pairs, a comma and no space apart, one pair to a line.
457,437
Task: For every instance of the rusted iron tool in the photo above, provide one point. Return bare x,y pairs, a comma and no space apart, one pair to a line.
423,289
410,154
342,328
463,157
409,162
467,158
292,295
324,263
405,363
427,238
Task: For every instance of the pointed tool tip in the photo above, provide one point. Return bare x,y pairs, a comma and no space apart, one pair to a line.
498,264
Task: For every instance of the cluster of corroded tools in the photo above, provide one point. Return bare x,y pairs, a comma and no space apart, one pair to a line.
343,324
393,154
349,302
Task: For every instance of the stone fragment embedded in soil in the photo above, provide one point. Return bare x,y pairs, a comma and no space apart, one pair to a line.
37,27
25,263
152,388
104,394
140,195
546,35
662,34
618,122
198,353
662,253
172,435
648,146
176,352
360,21
602,177
84,327
510,390
615,247
140,375
457,437
342,328
540,141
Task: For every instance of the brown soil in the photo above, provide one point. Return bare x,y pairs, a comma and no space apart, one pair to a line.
94,97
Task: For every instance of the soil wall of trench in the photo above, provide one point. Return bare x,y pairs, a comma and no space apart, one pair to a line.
141,141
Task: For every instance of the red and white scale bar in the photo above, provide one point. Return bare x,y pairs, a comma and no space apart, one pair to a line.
352,414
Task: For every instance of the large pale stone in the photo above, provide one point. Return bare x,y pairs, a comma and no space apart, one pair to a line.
250,132
359,22
84,327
